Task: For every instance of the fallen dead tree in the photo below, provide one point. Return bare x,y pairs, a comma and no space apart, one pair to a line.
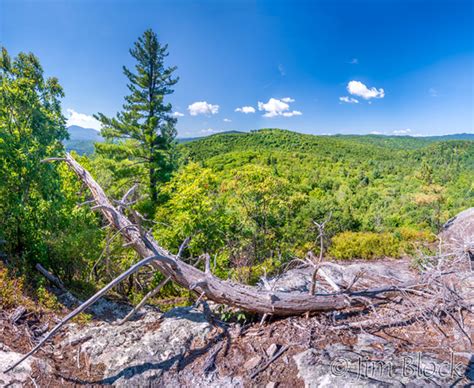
204,283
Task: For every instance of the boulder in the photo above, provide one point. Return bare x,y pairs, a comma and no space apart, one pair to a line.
138,352
300,279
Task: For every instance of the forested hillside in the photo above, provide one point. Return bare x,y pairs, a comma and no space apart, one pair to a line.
265,189
251,200
254,195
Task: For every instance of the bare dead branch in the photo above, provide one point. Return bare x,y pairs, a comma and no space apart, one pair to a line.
207,264
82,307
149,295
91,201
183,246
313,280
282,350
56,281
129,193
48,160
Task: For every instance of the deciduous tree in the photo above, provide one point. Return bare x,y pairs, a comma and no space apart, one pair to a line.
31,128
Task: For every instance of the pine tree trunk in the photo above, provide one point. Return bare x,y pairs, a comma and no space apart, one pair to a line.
153,191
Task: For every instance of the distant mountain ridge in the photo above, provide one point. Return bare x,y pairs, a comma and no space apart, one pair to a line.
80,133
336,147
456,136
82,139
188,139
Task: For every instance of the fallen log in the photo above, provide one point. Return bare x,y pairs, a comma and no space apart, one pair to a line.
57,282
251,299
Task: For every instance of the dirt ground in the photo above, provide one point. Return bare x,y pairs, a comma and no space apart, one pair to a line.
235,346
248,351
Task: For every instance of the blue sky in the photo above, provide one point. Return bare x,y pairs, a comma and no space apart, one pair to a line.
322,67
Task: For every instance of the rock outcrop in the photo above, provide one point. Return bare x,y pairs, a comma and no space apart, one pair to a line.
370,273
21,375
458,232
138,352
372,362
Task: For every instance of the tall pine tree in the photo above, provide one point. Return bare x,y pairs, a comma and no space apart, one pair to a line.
144,131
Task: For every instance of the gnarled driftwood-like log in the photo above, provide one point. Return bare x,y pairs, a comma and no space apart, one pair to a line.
251,299
221,291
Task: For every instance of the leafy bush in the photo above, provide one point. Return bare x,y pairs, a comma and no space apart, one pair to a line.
415,235
252,274
413,240
11,290
364,245
14,293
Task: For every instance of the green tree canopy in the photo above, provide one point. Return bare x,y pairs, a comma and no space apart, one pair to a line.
31,128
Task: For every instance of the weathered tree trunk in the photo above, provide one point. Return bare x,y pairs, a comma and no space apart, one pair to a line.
248,298
221,291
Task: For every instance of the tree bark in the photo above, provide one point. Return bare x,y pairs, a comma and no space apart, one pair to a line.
153,191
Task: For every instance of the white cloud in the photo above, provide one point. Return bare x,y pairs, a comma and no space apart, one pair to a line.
376,133
246,109
400,132
82,120
292,113
275,107
349,100
354,61
226,120
177,114
357,88
202,108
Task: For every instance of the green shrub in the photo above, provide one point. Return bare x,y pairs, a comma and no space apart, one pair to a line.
416,235
364,245
14,292
11,290
413,240
252,274
47,299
